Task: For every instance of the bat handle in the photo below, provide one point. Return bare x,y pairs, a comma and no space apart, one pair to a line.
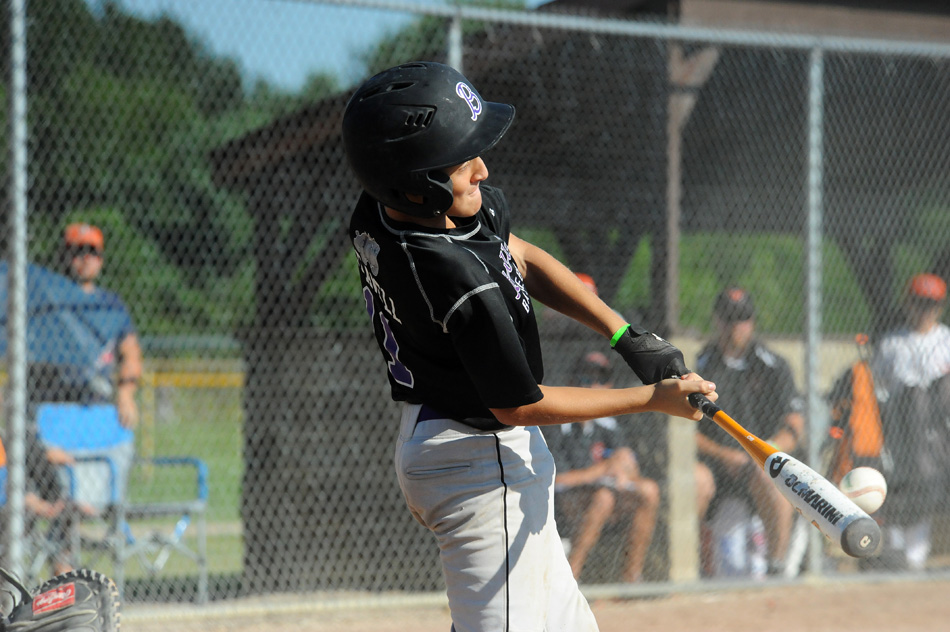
700,401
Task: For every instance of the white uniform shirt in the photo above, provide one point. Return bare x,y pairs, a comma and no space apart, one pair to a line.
911,359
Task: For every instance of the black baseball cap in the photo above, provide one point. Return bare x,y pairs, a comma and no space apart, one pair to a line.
734,305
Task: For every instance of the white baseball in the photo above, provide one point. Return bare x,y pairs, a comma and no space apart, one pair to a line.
866,487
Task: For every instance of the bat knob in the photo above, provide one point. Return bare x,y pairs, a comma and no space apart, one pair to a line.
861,537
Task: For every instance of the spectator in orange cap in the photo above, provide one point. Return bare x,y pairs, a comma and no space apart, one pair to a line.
84,246
911,368
121,358
104,381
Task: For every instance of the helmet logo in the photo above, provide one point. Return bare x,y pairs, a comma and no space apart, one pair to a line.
474,104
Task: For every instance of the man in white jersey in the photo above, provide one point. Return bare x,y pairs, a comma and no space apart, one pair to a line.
448,289
912,376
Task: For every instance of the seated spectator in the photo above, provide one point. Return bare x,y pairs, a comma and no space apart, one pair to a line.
598,480
108,379
760,391
45,499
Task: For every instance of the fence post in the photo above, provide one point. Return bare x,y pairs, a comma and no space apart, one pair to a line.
816,418
684,532
16,276
454,52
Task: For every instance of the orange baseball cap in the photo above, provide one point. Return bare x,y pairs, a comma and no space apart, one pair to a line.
84,235
927,286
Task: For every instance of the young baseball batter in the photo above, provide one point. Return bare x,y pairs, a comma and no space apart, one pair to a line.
449,291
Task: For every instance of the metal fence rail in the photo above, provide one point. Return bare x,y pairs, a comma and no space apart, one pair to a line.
667,162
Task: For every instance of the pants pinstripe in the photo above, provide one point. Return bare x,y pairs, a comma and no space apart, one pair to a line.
488,497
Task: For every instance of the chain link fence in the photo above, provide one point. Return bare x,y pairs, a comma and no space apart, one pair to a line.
668,164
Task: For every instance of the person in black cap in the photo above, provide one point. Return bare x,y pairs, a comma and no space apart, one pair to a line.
763,397
599,481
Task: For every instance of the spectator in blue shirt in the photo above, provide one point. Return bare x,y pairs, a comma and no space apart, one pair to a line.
119,366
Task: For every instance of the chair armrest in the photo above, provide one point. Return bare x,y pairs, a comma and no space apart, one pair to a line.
201,469
113,475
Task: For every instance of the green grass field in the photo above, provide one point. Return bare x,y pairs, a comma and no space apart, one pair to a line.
206,423
200,422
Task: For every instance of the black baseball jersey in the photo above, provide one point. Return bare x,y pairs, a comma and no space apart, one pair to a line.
757,390
451,315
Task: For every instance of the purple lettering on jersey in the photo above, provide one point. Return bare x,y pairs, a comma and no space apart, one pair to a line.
370,305
397,369
513,274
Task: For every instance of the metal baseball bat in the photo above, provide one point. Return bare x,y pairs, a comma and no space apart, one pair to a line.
823,504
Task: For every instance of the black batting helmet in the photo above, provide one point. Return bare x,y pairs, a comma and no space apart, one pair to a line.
405,125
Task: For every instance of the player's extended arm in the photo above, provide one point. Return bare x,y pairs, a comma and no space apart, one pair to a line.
566,404
548,280
551,282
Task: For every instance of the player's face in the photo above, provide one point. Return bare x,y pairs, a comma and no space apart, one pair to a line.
465,180
736,335
922,314
86,263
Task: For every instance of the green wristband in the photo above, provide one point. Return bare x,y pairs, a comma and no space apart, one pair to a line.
616,337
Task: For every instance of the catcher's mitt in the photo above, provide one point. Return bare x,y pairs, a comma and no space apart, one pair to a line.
80,600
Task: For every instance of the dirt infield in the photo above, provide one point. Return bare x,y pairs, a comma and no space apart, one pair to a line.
880,607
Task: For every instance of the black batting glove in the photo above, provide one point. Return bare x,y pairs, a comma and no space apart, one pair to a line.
652,358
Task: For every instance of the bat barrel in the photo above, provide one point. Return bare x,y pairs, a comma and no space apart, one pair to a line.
824,505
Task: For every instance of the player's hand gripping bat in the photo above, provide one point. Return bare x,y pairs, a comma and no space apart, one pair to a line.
835,515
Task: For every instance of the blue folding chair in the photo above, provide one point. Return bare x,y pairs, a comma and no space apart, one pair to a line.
105,458
104,449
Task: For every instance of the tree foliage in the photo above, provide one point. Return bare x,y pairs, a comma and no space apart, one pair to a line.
425,37
122,114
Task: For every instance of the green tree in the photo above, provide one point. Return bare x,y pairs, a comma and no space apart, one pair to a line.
426,37
123,112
